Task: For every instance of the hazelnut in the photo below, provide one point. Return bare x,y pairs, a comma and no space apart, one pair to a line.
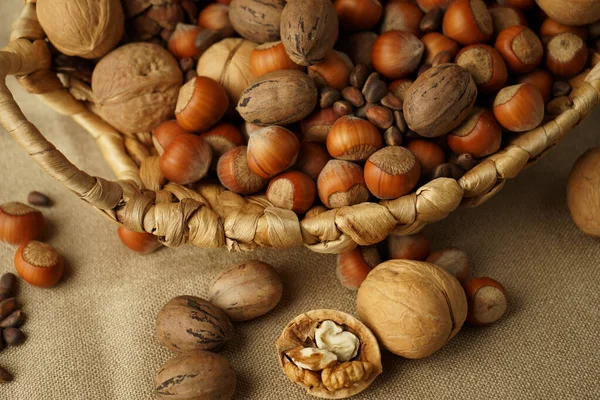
428,153
39,264
519,108
432,20
504,17
140,242
582,192
485,65
353,139
468,22
272,150
201,104
391,172
312,159
427,5
215,17
235,175
402,16
566,55
316,126
189,323
542,80
196,375
221,139
488,300
271,57
359,46
20,223
551,28
521,49
358,15
435,43
333,71
439,100
246,290
479,135
163,134
256,20
452,260
353,266
310,339
412,247
190,41
414,308
342,183
309,30
399,87
186,160
292,190
397,54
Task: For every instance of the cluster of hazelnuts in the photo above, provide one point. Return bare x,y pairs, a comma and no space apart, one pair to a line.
358,142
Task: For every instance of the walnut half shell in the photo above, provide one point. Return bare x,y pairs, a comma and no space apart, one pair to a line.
338,380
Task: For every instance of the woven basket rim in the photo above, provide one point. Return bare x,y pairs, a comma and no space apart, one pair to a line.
206,215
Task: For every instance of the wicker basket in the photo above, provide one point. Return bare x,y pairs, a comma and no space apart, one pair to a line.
207,215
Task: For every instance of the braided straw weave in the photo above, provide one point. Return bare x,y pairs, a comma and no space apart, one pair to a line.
207,215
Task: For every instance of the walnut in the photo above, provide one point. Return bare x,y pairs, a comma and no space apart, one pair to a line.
413,307
299,352
88,29
346,374
136,87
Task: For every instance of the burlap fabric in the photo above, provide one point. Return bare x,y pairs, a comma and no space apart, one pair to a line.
92,336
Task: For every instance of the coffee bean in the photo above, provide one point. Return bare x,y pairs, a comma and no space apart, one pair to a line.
13,336
38,199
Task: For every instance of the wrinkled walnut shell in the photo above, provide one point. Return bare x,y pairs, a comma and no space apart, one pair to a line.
190,323
301,332
413,307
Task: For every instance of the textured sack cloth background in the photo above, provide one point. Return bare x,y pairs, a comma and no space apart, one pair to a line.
92,336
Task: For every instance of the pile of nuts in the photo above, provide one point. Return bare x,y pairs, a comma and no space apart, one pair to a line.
11,318
335,102
194,328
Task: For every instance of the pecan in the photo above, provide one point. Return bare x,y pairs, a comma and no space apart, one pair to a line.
346,374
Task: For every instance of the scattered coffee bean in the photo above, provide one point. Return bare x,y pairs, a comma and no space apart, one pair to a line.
432,20
374,88
14,320
392,102
359,76
7,306
342,107
380,116
328,96
353,96
392,137
560,88
5,376
13,336
38,199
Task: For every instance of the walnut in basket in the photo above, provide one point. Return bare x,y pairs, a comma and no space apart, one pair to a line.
329,353
86,28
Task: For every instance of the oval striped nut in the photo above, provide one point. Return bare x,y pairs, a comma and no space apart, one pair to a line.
194,375
188,323
272,150
292,190
392,172
486,65
353,139
235,175
342,183
278,98
312,358
256,20
519,108
309,30
488,300
439,100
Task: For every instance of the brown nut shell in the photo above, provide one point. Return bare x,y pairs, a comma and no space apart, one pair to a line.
301,332
188,323
278,98
256,20
196,375
583,195
247,290
414,308
309,30
439,100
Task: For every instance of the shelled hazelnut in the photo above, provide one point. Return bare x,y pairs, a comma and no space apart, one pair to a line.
272,150
521,49
468,22
333,71
479,135
402,16
485,65
312,158
519,108
428,153
488,300
270,57
397,54
353,266
140,242
391,172
410,247
342,183
201,104
353,139
186,159
292,190
20,223
358,14
566,55
235,175
39,264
